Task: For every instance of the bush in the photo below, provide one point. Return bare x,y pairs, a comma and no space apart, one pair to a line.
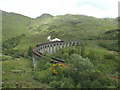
67,83
96,84
81,63
44,76
55,84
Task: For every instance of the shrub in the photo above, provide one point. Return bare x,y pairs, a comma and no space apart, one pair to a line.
45,76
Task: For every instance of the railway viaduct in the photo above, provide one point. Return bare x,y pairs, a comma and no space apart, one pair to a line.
50,48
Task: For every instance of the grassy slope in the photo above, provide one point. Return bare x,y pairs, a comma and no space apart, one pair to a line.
14,25
67,27
75,26
10,77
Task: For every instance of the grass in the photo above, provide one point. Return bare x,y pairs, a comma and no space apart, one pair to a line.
31,40
19,72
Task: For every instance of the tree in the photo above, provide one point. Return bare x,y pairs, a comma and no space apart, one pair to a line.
81,68
80,63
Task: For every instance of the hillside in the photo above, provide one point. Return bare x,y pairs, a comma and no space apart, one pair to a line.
66,27
62,26
94,59
111,34
14,24
75,26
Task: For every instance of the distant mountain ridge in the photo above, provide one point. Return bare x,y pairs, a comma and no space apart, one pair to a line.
66,26
44,15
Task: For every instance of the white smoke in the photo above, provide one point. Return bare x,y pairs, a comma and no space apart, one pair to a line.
49,38
56,39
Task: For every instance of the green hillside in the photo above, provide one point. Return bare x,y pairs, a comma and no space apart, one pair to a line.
14,24
61,26
98,49
111,34
75,26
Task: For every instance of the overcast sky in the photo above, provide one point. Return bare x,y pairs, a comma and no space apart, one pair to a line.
34,8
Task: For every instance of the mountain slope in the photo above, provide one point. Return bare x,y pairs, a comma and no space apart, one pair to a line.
66,27
75,26
62,26
14,24
111,35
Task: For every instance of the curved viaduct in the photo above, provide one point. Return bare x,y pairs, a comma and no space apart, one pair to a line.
50,48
